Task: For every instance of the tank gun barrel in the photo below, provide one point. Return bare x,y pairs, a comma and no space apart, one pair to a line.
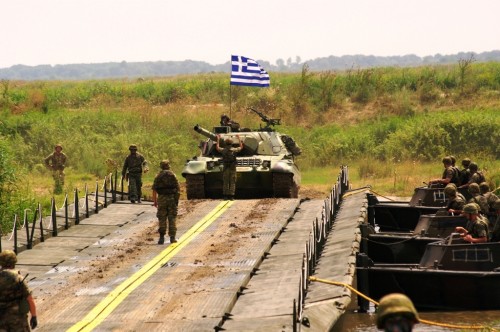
205,132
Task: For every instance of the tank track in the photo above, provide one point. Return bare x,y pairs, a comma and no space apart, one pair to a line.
195,186
284,187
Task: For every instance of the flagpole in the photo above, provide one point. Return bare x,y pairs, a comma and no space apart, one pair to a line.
230,99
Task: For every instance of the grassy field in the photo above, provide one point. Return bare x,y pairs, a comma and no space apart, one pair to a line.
391,126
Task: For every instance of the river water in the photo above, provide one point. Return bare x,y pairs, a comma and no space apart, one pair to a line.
353,321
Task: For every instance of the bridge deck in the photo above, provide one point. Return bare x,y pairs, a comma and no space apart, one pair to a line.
240,273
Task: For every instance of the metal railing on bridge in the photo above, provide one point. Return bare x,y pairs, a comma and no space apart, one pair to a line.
317,240
39,227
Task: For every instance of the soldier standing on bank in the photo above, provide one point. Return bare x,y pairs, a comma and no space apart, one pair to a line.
166,193
56,162
229,163
15,297
133,167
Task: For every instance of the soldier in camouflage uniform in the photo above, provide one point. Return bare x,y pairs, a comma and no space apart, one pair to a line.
476,230
166,193
495,234
450,174
56,162
491,198
229,163
133,167
396,312
465,172
475,177
226,121
477,198
455,202
15,297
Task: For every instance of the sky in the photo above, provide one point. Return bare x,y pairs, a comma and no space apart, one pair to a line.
36,32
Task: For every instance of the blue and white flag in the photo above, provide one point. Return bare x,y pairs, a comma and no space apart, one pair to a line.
247,72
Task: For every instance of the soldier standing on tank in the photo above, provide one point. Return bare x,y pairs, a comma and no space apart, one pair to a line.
15,297
396,312
56,162
229,162
166,193
133,167
450,175
226,121
476,230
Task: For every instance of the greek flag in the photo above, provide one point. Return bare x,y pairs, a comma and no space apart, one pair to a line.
247,72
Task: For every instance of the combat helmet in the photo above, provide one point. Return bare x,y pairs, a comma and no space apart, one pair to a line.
471,208
474,188
450,189
132,147
473,167
466,162
484,187
395,304
165,164
447,160
58,146
8,258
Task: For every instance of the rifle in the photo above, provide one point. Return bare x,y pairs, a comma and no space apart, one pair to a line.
268,121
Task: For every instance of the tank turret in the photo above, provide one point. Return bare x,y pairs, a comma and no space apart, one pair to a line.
265,167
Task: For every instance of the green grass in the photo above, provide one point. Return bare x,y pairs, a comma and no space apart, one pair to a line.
391,126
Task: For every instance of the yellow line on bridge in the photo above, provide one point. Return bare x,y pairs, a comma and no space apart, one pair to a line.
102,310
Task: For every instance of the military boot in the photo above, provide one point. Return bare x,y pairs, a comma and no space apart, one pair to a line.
172,239
162,239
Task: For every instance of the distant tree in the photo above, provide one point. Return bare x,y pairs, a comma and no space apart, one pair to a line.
289,62
464,65
298,60
280,63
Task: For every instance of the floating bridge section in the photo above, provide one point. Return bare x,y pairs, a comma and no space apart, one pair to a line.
238,266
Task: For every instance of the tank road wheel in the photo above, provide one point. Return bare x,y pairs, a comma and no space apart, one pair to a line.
283,185
195,186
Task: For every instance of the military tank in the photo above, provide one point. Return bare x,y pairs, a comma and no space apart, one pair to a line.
265,167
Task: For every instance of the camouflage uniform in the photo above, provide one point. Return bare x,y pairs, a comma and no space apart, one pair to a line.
226,121
495,234
13,305
168,189
229,171
478,228
455,203
56,162
134,165
481,201
452,174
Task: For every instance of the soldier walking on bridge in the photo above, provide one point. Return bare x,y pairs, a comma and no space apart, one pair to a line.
56,161
166,193
132,170
229,163
15,297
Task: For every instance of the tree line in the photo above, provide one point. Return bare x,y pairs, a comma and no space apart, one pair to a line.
188,67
